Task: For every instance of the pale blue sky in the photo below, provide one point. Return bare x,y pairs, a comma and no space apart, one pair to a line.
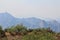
31,8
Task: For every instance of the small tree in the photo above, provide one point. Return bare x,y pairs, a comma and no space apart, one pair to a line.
2,33
21,29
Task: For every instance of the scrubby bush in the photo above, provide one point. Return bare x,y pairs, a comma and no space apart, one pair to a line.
2,33
39,36
18,29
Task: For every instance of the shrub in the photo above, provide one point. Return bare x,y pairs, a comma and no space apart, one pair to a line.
41,36
2,33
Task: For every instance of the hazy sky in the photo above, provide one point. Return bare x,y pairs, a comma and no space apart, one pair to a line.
31,8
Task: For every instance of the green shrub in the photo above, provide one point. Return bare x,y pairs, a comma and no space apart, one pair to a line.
2,33
42,36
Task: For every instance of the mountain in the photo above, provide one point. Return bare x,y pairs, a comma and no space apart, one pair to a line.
7,20
54,25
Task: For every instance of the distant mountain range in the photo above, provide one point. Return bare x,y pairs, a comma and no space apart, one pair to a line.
7,20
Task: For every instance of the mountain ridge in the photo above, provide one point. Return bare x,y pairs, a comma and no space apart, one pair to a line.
7,20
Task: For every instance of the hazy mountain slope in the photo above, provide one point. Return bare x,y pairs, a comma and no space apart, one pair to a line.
7,20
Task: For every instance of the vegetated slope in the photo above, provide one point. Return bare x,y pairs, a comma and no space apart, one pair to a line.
19,32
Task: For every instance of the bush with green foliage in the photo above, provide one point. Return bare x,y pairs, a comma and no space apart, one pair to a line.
34,35
17,29
2,33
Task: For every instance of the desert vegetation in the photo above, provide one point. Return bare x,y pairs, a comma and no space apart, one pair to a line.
20,32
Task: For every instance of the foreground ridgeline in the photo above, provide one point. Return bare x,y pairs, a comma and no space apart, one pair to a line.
20,32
